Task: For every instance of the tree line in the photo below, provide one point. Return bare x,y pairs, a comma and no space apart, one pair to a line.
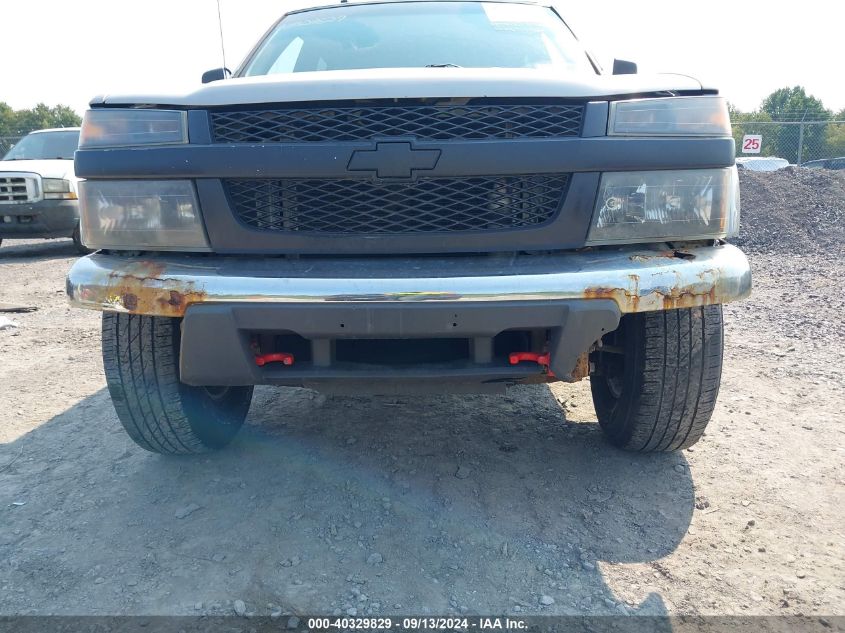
20,122
790,107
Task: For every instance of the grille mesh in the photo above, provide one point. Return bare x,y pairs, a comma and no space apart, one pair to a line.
427,205
449,122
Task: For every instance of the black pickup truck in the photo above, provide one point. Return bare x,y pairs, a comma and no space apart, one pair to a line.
411,197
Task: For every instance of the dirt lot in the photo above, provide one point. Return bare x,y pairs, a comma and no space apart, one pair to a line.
445,504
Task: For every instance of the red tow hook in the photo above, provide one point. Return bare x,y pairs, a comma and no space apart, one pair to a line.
541,359
282,357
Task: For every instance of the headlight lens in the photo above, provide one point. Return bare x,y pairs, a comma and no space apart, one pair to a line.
670,116
140,214
646,206
128,127
57,189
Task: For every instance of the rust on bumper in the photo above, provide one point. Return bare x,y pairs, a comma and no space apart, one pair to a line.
638,279
142,288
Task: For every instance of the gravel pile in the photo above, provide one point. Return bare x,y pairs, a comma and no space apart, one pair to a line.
793,210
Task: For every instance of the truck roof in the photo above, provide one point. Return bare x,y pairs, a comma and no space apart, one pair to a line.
56,129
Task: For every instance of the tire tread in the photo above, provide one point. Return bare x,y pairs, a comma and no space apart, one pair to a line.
141,363
673,381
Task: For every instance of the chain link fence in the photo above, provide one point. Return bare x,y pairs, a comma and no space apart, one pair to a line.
807,143
7,142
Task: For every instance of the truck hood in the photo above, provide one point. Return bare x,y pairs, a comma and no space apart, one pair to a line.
56,168
399,83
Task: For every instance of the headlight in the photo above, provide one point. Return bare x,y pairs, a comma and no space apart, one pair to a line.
121,127
670,116
140,214
648,206
57,189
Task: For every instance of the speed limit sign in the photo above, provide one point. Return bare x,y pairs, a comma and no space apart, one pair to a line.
751,143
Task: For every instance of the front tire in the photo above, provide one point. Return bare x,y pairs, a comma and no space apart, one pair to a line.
160,413
657,377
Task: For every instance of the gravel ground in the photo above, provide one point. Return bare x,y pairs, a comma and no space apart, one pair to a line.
482,504
793,210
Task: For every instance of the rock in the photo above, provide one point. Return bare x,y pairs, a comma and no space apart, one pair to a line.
198,606
240,608
352,611
463,472
293,622
181,513
680,468
801,573
7,324
218,557
546,600
99,581
375,559
588,566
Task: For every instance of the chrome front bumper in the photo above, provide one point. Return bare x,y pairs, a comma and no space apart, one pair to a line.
638,279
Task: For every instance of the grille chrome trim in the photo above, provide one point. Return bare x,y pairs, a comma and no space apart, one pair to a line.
19,187
421,206
428,122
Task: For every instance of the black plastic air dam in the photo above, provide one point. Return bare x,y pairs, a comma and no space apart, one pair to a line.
216,342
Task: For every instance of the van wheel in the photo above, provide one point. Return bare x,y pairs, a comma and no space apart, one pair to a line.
160,413
656,378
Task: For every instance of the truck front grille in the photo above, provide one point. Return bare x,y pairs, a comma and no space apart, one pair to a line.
426,205
428,122
17,188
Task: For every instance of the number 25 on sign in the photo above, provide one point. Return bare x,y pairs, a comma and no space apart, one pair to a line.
751,143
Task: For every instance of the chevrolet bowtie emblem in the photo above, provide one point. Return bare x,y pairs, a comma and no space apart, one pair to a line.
393,160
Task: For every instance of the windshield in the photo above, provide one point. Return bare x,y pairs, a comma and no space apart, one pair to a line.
417,35
45,145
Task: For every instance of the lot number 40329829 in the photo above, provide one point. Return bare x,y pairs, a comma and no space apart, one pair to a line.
751,143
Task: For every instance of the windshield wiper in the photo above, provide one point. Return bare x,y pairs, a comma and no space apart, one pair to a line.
442,66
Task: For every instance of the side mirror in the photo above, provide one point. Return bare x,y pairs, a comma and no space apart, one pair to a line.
216,75
622,67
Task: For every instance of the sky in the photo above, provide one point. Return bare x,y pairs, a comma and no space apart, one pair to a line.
63,51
